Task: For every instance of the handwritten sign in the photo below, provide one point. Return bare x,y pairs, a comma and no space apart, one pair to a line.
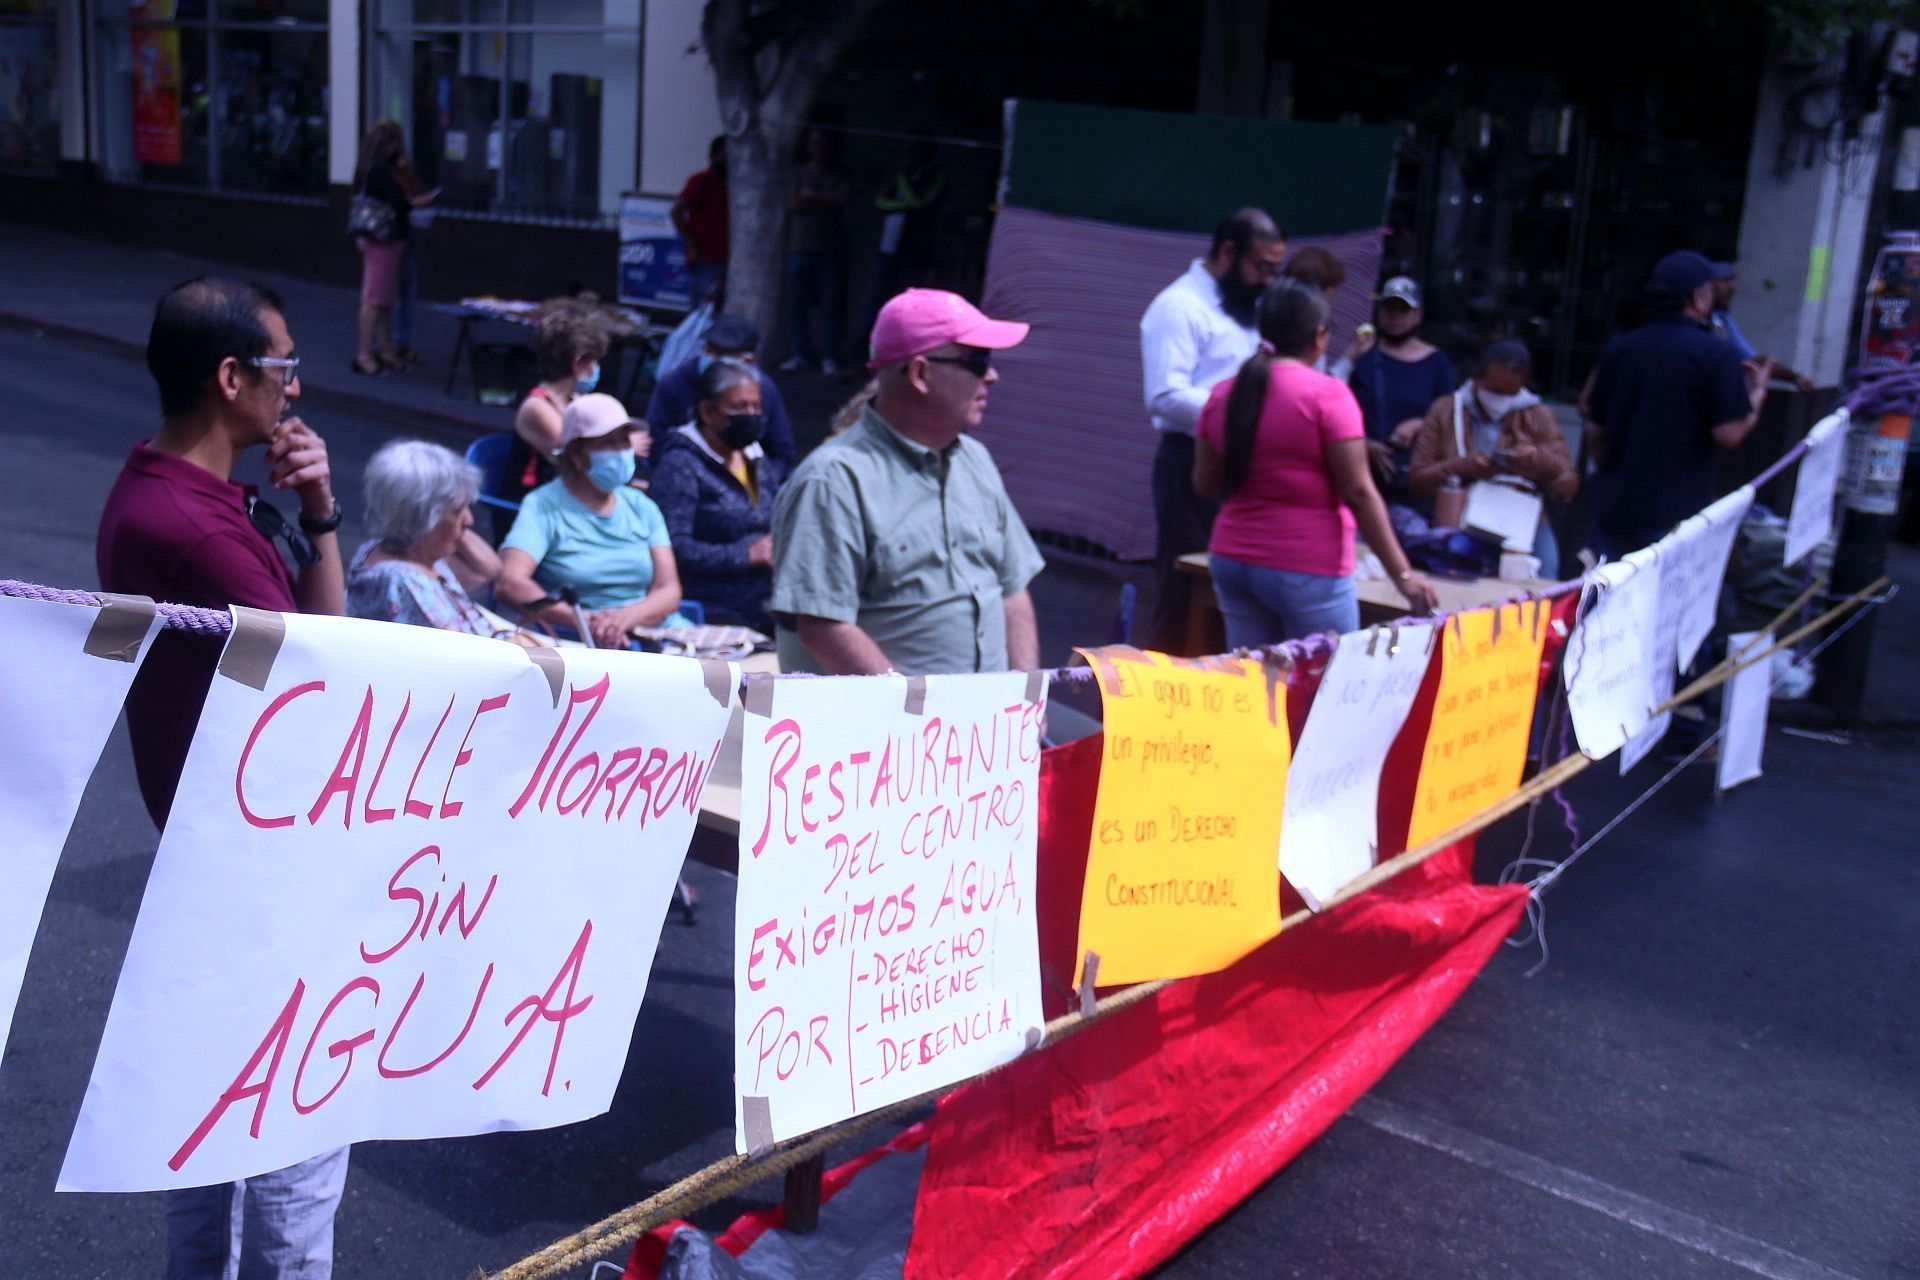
885,940
1693,565
1476,745
67,671
1331,831
1743,713
1811,519
1610,659
1181,876
411,888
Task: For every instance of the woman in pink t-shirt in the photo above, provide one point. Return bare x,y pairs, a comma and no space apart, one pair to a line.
1286,450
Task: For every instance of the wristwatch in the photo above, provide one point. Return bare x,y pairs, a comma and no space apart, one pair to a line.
314,528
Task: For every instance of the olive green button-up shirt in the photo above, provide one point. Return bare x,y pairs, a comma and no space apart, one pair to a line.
919,548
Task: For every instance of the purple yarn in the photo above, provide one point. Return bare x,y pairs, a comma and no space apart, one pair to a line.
178,617
1878,391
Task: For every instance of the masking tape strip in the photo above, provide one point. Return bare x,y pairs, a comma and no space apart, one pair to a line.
553,666
720,680
1036,686
756,1119
253,646
758,698
122,623
916,695
1089,971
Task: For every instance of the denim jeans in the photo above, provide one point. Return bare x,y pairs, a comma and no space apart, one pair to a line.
1264,606
281,1228
816,280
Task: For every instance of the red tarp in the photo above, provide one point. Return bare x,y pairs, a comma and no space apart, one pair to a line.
1124,1142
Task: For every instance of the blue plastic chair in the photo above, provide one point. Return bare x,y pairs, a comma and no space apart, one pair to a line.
489,453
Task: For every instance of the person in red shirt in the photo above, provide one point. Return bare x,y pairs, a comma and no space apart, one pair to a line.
177,528
700,215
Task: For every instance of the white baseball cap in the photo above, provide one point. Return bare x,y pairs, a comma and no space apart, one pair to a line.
591,416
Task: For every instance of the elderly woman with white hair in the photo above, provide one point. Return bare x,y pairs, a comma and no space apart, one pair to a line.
424,556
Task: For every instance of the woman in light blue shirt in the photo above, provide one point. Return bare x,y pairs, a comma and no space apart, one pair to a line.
591,530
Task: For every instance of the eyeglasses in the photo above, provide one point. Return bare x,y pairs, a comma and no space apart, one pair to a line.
289,366
977,363
271,524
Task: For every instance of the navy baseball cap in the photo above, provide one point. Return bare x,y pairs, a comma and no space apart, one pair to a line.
732,334
1683,271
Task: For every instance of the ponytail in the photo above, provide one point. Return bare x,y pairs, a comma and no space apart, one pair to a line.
1245,402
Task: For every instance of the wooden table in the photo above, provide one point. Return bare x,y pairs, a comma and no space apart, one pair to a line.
1379,601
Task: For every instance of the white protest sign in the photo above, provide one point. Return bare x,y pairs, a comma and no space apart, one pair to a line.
1743,713
1330,832
885,936
1610,656
1812,517
1693,565
410,888
67,671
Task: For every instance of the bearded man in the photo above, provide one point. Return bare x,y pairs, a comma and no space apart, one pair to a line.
1194,335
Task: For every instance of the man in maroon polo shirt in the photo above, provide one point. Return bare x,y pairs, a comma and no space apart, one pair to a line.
177,528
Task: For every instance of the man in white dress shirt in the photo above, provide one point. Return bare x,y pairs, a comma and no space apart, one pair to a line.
1196,334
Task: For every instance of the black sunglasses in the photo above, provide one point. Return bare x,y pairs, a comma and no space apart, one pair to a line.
271,524
978,363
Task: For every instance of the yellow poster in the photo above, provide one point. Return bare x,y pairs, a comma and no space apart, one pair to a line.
1482,714
1182,877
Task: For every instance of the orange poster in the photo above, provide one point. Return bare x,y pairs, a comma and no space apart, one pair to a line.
1482,715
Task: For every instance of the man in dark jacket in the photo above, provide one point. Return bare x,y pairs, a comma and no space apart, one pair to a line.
730,338
1666,399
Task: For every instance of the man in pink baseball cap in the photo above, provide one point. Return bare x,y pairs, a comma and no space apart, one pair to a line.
896,547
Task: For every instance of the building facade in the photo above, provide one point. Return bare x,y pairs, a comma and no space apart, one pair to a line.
231,128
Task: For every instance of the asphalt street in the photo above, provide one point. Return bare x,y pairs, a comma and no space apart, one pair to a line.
1713,1076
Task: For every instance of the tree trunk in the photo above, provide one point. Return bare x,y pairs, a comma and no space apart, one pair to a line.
768,67
759,160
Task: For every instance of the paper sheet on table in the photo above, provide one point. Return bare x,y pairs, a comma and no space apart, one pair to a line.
1331,830
1476,746
885,936
59,703
410,888
1504,511
1181,875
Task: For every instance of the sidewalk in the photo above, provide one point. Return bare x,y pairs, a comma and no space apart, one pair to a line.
106,291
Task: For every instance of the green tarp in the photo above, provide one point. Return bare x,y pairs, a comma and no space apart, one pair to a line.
1183,172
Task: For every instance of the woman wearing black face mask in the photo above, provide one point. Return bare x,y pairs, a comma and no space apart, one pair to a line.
717,489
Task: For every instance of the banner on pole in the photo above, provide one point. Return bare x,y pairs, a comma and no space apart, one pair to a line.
1811,519
885,938
67,672
1743,714
1181,876
1476,746
1331,830
411,887
1611,656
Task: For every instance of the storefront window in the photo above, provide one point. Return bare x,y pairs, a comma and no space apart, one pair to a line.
514,108
29,93
229,95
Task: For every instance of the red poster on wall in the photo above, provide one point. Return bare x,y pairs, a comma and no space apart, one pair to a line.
156,84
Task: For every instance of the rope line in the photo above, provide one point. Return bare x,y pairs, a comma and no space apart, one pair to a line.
729,1175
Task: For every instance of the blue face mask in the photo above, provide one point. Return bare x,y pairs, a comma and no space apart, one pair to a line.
589,382
609,469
